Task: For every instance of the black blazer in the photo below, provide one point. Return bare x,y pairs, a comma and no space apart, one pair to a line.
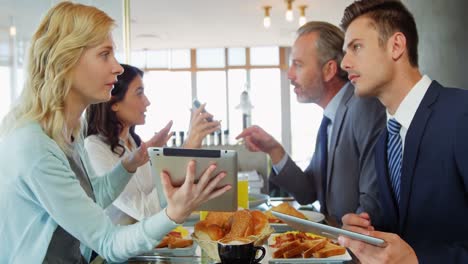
433,216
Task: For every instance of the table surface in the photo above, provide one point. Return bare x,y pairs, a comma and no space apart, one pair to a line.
199,256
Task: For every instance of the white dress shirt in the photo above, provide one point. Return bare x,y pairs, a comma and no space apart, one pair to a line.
407,108
330,112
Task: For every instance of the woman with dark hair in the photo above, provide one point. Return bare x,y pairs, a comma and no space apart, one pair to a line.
111,136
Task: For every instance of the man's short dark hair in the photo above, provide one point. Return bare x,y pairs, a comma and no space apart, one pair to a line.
388,16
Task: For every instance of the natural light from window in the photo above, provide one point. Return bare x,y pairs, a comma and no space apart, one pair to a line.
265,94
5,98
170,96
211,89
305,121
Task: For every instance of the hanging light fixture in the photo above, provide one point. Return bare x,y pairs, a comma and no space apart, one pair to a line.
12,31
302,18
289,11
12,28
267,18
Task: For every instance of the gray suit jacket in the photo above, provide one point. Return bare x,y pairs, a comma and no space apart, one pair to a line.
351,174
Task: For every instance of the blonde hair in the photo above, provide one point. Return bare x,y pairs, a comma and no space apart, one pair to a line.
56,47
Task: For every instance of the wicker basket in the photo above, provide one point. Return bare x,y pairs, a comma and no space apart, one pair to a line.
210,247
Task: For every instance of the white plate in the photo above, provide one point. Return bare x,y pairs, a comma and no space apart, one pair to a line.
256,199
334,259
311,216
178,252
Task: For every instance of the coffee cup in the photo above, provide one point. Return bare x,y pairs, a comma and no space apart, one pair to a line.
239,251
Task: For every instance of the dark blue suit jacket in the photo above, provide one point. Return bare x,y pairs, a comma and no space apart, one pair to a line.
433,216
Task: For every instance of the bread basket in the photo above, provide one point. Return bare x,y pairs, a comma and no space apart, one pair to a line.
210,247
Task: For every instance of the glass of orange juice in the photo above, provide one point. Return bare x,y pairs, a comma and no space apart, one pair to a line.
243,191
242,194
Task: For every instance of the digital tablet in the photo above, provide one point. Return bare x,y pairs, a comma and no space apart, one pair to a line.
325,230
175,160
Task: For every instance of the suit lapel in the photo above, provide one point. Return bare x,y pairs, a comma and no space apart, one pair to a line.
336,131
387,199
412,144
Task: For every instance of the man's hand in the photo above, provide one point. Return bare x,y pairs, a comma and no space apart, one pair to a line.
396,251
360,223
256,139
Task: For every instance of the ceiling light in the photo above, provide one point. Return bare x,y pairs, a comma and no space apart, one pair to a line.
289,12
302,18
266,18
12,31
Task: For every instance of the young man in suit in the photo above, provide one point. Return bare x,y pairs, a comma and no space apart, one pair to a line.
341,174
422,156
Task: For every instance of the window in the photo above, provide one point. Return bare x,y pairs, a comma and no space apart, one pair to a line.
265,94
138,59
211,58
264,56
211,89
5,99
236,56
305,122
179,59
237,83
216,82
158,58
170,97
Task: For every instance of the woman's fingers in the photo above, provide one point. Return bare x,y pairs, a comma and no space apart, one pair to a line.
190,174
168,137
213,183
206,176
143,153
219,192
166,129
167,184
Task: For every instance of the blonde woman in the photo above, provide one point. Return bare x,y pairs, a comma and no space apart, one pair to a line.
50,197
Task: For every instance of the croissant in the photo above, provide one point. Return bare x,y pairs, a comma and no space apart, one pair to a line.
240,224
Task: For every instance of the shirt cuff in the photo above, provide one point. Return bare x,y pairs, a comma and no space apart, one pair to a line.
280,165
173,222
158,225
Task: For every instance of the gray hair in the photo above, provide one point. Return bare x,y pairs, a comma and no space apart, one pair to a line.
329,44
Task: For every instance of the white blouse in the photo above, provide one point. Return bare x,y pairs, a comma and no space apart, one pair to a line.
139,199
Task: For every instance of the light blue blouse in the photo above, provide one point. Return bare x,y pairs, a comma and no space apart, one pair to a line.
38,191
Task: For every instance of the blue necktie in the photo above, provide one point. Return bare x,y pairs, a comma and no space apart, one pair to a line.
322,151
394,155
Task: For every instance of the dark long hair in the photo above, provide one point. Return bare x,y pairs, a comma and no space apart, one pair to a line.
103,121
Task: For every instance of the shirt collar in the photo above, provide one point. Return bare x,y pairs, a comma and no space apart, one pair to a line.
332,107
407,109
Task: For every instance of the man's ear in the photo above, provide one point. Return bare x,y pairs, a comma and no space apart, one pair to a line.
397,45
329,70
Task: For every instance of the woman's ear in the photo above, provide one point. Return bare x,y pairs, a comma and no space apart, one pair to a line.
115,107
329,70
